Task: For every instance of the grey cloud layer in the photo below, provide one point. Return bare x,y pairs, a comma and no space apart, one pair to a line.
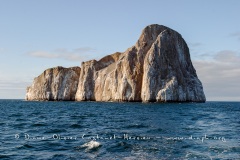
220,75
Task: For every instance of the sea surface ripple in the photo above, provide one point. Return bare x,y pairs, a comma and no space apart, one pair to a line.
98,130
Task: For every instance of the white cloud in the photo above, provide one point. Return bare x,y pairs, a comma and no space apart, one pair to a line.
79,54
220,75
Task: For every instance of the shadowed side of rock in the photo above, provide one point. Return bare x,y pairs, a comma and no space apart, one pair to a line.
55,84
168,71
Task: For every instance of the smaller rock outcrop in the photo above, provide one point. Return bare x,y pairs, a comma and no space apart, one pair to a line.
91,70
55,84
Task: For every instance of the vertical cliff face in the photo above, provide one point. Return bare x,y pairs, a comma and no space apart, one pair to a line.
55,84
157,68
168,71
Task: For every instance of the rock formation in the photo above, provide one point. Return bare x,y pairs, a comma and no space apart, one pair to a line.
57,84
157,68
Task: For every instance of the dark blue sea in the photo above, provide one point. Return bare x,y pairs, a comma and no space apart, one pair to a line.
108,131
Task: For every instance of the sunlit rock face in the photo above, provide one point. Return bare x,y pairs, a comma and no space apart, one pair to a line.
57,83
157,68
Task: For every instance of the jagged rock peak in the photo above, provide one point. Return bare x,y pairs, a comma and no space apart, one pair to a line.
157,68
149,34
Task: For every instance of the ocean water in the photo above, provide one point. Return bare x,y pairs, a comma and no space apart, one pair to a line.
97,130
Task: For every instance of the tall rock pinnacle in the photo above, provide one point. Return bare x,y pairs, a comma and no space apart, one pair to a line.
157,68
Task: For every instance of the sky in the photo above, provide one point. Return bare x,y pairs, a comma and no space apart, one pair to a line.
40,34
